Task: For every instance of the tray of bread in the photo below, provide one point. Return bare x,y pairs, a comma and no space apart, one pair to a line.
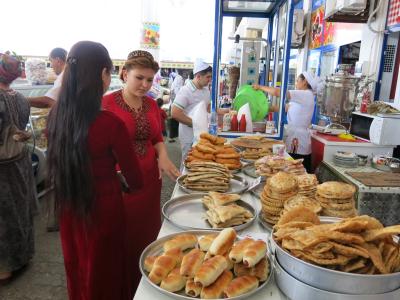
209,211
254,142
206,265
211,176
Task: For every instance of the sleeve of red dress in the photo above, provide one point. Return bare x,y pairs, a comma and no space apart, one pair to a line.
157,137
126,157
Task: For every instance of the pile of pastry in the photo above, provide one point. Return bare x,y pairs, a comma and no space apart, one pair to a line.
207,176
223,212
212,267
302,201
278,189
254,154
269,165
211,148
295,167
307,185
336,199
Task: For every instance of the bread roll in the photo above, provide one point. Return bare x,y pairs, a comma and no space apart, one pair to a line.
191,263
240,286
260,270
203,155
253,253
230,263
215,290
206,148
210,137
236,254
223,242
174,282
192,289
210,270
205,241
177,254
161,268
228,155
182,241
149,262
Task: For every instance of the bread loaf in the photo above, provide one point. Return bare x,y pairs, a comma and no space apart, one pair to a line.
193,289
191,263
161,268
182,241
215,290
260,270
253,253
223,242
236,254
240,286
205,241
149,262
210,270
174,282
177,254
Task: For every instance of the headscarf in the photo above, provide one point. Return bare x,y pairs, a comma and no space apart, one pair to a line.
316,83
10,68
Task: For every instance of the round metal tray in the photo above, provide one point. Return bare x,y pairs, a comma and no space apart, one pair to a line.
188,212
295,289
238,185
332,280
250,170
264,223
156,248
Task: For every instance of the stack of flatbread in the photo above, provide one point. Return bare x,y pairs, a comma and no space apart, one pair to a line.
278,189
254,154
207,176
304,201
295,167
307,185
336,199
223,212
213,149
269,165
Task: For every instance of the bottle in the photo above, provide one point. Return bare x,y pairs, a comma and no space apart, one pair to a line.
363,107
213,126
226,122
234,123
242,123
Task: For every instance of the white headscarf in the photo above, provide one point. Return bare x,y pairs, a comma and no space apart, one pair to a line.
316,83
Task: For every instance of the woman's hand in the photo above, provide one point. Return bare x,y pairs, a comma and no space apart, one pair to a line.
165,166
256,87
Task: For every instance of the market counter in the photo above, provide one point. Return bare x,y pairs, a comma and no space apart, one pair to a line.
324,146
145,291
382,203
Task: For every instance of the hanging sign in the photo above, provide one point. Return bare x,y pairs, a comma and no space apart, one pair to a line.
150,35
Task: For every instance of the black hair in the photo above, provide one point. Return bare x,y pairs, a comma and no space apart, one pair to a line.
59,53
204,72
303,78
160,102
79,103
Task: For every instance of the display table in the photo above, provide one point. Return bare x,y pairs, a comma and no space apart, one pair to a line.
382,203
146,292
324,146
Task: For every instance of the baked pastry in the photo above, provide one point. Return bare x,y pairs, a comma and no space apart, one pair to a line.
223,242
206,148
240,286
336,189
215,290
192,289
209,137
191,263
176,253
282,182
303,201
210,270
202,155
183,241
174,282
236,253
253,253
260,270
228,155
205,241
149,262
161,268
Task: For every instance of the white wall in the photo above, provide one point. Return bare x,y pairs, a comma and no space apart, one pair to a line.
397,96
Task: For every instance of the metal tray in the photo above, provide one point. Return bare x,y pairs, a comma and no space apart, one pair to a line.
295,289
250,170
188,212
238,185
332,280
156,248
264,223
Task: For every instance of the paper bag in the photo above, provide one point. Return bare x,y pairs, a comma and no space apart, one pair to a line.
199,118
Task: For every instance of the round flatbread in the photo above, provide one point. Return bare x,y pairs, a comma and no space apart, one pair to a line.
282,182
336,189
296,201
339,213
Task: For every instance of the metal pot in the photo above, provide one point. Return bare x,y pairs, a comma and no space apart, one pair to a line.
335,281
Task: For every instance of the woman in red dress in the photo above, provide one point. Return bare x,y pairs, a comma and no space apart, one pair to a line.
85,144
141,116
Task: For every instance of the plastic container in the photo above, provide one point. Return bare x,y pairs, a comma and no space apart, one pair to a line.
257,100
213,125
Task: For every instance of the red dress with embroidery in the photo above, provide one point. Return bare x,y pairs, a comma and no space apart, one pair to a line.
142,208
94,246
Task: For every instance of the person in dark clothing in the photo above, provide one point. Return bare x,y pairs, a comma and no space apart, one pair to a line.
163,116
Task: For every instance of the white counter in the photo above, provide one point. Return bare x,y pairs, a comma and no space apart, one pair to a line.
146,292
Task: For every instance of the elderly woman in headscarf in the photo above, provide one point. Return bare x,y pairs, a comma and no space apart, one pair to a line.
299,114
17,187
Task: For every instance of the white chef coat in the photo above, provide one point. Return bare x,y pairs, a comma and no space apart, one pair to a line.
177,84
299,115
186,99
54,92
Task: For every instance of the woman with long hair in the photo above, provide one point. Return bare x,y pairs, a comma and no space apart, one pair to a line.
17,184
141,116
85,144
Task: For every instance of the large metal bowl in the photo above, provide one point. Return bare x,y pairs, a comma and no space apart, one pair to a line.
335,281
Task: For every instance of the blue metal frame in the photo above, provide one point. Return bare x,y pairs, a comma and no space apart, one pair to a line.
217,54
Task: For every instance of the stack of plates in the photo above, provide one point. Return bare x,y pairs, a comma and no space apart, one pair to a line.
345,159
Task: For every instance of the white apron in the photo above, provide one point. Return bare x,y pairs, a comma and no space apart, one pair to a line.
298,140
